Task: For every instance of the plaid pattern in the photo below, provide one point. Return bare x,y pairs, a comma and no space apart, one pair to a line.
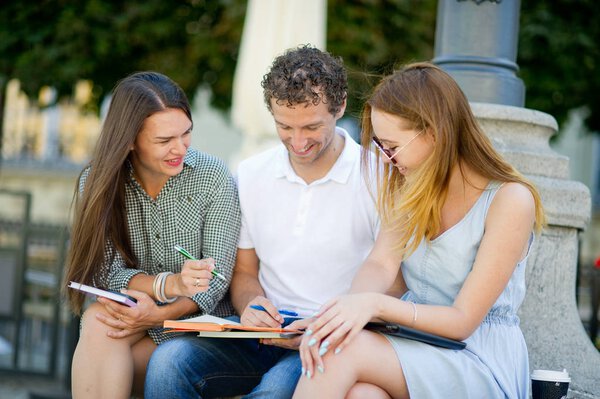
197,209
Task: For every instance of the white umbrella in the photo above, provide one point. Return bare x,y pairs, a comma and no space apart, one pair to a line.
270,28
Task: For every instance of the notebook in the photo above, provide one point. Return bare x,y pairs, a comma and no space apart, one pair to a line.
416,335
217,327
247,334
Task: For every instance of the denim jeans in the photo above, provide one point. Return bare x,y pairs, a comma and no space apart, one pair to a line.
191,367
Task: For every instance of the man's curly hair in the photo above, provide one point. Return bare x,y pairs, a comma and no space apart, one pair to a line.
306,75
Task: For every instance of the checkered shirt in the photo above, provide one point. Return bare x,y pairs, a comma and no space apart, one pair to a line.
197,209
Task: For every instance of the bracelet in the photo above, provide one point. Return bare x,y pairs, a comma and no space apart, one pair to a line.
158,288
163,283
162,289
155,290
414,320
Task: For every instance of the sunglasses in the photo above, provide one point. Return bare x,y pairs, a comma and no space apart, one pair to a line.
388,153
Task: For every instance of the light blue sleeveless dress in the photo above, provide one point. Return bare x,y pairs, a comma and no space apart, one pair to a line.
495,363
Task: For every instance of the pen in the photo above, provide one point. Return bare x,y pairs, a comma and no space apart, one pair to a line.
281,311
189,256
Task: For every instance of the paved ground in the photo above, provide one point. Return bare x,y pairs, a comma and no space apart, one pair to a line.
20,387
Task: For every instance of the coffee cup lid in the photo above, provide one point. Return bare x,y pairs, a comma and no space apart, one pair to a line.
551,375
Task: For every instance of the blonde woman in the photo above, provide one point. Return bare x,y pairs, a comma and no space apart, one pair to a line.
459,222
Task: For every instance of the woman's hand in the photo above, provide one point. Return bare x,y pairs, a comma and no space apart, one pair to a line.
195,277
290,343
338,321
130,320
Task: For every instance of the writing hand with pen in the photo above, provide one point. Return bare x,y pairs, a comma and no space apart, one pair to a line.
195,275
261,312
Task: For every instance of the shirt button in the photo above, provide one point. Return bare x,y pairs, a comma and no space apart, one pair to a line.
189,199
157,235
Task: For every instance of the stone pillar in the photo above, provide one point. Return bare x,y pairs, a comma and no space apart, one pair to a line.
476,43
549,318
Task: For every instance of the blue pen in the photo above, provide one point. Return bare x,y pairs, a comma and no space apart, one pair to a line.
189,256
291,315
282,311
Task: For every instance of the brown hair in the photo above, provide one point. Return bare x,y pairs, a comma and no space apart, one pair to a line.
429,98
306,75
100,216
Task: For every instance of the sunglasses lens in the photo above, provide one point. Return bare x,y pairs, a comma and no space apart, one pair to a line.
387,153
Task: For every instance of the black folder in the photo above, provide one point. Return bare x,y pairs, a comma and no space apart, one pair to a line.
410,333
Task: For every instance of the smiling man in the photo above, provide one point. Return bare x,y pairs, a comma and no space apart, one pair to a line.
308,223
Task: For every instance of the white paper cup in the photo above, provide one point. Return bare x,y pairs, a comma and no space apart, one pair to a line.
549,384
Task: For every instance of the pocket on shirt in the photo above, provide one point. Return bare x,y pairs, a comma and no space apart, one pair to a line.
189,213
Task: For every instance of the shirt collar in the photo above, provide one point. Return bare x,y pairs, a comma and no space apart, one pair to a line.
191,158
339,172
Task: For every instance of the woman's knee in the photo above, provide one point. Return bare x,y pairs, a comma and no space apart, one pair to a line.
368,351
361,344
91,327
349,358
95,332
363,390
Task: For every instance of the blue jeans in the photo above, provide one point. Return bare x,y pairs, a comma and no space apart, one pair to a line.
191,367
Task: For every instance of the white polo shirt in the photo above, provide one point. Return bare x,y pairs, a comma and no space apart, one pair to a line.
310,238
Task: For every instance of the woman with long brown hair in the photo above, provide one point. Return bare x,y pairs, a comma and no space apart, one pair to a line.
459,222
144,192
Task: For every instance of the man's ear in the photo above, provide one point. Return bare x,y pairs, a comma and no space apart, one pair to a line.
342,108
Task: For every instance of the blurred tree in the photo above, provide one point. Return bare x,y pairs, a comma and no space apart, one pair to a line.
558,56
374,36
558,48
57,42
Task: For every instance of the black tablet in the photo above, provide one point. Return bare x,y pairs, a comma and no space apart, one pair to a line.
416,335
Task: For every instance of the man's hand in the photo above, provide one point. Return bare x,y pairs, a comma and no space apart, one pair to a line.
269,317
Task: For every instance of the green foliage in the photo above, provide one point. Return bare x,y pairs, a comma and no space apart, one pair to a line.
374,36
558,56
58,42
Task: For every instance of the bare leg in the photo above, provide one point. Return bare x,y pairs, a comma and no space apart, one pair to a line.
369,359
362,390
103,367
142,351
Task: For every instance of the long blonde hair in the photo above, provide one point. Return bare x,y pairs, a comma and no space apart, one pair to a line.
431,100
